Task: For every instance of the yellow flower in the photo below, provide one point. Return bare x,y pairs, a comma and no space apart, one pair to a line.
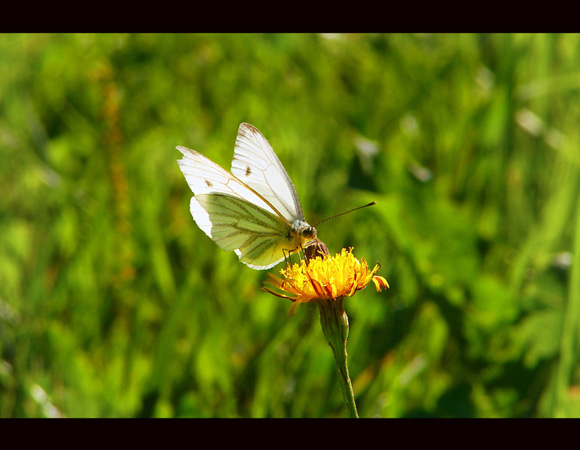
324,278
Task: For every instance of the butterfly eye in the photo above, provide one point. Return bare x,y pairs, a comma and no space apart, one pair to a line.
309,232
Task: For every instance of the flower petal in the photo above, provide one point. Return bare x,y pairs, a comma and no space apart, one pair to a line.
380,283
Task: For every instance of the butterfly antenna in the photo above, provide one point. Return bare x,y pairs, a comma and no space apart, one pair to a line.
346,212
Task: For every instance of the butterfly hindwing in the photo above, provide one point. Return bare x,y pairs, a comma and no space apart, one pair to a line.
258,237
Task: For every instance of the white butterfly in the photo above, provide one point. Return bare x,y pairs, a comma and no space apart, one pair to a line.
254,210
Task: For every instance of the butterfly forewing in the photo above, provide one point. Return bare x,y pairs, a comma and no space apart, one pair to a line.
204,176
256,164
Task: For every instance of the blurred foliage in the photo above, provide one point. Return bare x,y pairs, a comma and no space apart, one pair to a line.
114,304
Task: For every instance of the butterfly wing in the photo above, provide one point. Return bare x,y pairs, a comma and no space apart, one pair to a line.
256,164
233,215
204,177
258,237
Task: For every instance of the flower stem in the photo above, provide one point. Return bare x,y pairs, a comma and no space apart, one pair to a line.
334,323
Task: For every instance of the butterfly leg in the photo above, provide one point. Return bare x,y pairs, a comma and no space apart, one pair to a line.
287,257
303,252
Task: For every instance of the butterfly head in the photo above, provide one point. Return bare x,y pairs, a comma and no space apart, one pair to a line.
306,232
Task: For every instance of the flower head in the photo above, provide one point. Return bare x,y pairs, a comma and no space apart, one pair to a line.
324,278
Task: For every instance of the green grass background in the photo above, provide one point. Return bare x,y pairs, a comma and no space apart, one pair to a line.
114,304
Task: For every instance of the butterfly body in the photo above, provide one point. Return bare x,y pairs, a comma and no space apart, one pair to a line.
254,210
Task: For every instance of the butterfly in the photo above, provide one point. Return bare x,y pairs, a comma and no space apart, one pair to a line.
254,210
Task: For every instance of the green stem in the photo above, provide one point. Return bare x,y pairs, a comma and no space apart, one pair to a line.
334,323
